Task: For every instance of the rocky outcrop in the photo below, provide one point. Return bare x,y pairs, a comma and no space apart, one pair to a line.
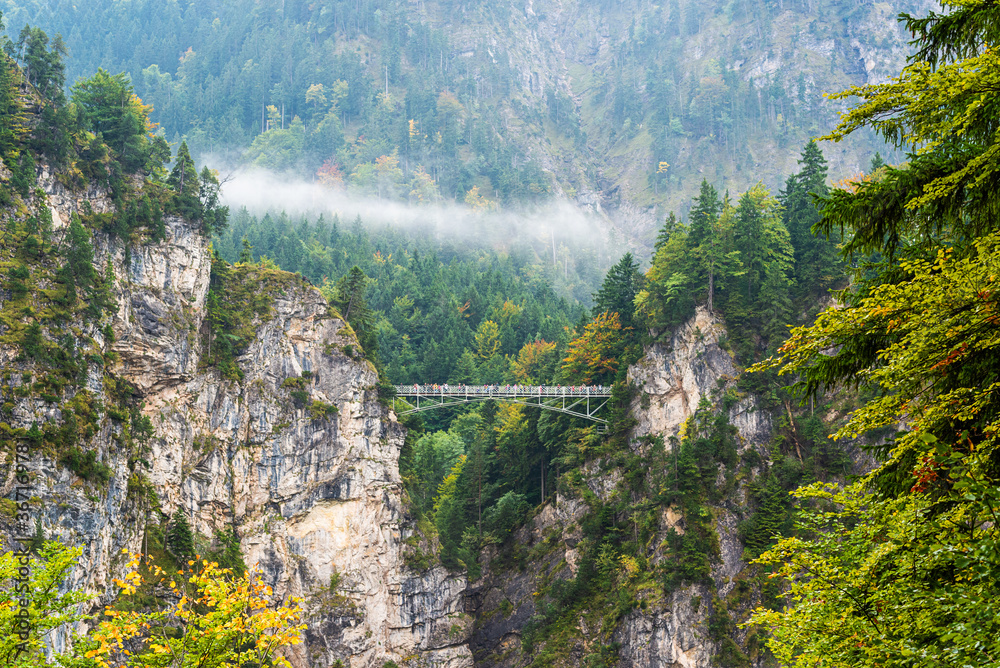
314,497
672,380
675,376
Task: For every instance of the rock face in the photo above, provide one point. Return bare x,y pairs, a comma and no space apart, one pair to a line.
314,498
672,379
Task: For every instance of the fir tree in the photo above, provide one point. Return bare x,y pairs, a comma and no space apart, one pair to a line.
670,227
617,293
706,210
246,252
180,538
816,263
184,181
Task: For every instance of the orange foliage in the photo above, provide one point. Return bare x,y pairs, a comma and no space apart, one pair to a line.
330,175
532,357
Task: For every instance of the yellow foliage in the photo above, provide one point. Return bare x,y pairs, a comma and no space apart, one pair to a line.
532,357
477,201
487,340
231,621
593,353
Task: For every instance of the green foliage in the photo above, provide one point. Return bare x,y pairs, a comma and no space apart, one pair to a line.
43,68
422,299
86,465
743,260
108,107
49,604
228,554
618,291
180,538
880,581
239,297
348,297
506,515
817,265
899,568
319,410
771,518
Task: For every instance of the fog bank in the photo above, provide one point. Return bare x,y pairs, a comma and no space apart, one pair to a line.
261,191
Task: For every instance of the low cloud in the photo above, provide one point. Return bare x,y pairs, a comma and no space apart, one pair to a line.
262,191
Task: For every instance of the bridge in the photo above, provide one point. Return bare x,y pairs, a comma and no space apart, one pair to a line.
582,401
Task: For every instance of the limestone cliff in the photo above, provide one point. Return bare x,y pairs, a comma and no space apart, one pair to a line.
314,496
688,626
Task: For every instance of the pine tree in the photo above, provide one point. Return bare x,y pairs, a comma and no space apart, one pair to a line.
246,252
749,239
706,210
618,291
184,181
184,176
816,263
180,538
670,227
80,255
350,301
877,163
466,371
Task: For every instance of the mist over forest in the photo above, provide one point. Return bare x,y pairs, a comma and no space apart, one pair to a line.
467,334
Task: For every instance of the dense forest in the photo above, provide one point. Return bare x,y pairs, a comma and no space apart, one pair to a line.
407,101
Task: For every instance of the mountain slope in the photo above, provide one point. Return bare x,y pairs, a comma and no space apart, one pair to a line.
625,107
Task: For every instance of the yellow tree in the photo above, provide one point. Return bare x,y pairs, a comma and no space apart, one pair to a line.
213,620
477,201
33,604
389,175
423,190
593,355
487,340
532,359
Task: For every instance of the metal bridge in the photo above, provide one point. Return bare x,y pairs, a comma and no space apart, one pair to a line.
578,401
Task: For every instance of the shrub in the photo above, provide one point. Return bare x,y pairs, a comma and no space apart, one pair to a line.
85,465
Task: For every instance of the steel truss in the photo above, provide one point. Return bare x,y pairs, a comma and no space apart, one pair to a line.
583,403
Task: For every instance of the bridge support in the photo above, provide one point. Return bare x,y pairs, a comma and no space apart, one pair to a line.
580,402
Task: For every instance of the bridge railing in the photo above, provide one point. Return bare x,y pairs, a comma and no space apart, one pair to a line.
505,390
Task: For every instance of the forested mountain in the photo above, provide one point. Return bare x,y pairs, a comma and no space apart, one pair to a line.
181,379
617,106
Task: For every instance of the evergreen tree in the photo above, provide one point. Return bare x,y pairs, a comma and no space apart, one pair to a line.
215,217
466,371
900,568
817,266
80,254
877,163
617,293
184,176
180,538
670,227
749,241
43,68
353,306
246,252
706,210
108,106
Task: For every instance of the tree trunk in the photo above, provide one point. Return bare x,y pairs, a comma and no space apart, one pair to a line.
711,288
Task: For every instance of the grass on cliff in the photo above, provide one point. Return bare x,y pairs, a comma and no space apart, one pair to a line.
240,297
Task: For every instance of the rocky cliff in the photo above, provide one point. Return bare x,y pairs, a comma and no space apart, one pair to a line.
689,624
294,452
